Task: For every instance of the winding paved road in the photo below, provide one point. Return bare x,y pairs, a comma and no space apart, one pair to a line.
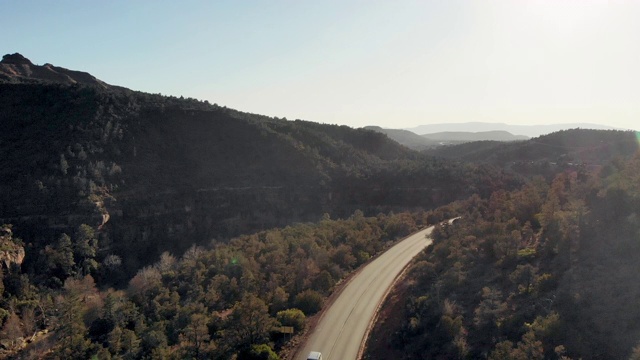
343,326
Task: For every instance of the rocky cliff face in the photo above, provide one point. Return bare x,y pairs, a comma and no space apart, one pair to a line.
15,68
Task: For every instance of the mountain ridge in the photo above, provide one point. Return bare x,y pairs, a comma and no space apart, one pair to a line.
15,68
158,173
493,135
405,137
526,130
429,141
101,182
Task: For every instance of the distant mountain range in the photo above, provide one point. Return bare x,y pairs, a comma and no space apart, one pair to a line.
526,130
575,146
406,138
428,141
434,135
458,136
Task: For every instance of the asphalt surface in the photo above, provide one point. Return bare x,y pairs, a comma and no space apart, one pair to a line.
341,331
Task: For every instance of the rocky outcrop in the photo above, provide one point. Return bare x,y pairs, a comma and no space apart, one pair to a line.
15,59
15,68
11,253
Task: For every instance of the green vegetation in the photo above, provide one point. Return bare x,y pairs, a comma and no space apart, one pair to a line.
211,303
154,227
548,154
151,174
544,272
101,182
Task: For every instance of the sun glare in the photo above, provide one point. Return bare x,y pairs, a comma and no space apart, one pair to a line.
567,18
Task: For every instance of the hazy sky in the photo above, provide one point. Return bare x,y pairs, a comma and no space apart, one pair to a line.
394,63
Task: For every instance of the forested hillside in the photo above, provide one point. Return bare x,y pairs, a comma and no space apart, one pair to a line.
142,226
546,155
152,173
217,302
545,272
121,208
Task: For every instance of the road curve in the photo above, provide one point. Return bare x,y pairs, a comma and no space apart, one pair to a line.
343,326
